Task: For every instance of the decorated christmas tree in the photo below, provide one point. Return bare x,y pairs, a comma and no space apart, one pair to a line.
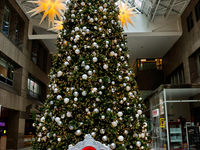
92,89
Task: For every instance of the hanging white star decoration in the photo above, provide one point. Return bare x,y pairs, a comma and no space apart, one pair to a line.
51,8
125,13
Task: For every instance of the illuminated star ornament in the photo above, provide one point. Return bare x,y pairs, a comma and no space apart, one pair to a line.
57,26
126,13
51,8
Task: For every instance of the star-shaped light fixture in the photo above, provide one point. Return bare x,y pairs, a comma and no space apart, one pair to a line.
126,13
57,26
50,8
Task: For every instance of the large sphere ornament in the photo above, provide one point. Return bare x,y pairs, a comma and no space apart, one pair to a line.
84,76
113,145
84,93
138,143
75,93
78,132
93,134
105,66
77,51
120,138
139,112
104,138
102,131
57,119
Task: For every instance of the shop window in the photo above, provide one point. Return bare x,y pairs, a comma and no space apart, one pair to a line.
6,20
190,22
34,88
6,72
197,11
177,77
149,64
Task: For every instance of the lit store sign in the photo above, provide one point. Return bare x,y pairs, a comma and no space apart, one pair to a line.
2,124
155,112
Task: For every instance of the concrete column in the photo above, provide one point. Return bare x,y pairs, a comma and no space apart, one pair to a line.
15,132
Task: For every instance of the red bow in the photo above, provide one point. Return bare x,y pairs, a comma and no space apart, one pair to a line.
89,148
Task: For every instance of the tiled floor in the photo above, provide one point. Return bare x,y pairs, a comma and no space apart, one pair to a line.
27,148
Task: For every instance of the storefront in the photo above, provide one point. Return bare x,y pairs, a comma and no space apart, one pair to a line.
174,112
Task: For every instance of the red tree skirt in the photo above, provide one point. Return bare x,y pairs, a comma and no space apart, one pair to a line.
89,148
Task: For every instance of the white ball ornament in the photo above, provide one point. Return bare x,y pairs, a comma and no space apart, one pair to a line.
68,58
59,123
57,119
69,114
96,110
90,73
120,114
138,143
77,51
104,138
84,76
84,93
93,134
139,112
87,67
59,73
105,66
114,123
128,88
42,119
94,59
120,138
142,135
55,90
113,145
59,97
100,8
102,131
78,132
66,63
75,93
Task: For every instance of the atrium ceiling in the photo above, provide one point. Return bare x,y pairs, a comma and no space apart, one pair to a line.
158,27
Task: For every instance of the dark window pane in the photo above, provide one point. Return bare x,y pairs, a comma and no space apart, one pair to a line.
10,82
6,20
34,88
197,10
2,79
190,22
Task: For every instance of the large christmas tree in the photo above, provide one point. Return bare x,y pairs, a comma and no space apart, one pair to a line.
92,89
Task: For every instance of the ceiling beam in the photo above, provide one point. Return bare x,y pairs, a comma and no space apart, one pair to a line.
169,8
154,10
